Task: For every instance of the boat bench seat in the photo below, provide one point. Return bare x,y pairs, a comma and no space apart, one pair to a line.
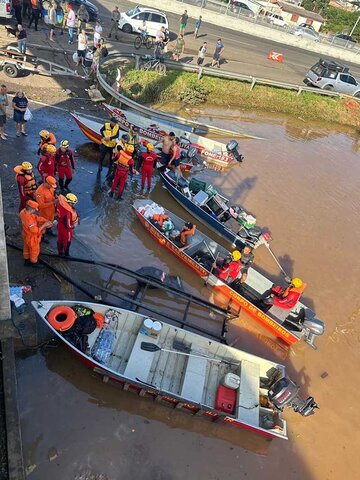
140,361
247,405
194,379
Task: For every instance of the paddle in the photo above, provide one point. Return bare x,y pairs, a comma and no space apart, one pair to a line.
151,347
287,278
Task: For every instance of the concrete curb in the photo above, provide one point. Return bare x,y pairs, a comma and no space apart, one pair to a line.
13,431
5,310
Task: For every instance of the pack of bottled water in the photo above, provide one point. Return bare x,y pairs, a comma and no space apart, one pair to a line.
102,348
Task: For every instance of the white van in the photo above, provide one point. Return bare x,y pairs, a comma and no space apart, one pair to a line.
5,9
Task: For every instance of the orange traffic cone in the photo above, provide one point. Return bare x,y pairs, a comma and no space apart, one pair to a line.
276,56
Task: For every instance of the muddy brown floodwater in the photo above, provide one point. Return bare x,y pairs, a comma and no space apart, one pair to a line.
303,183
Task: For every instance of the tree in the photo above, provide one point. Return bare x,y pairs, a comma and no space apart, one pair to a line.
317,6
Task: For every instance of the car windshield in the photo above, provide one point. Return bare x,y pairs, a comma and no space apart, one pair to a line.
133,11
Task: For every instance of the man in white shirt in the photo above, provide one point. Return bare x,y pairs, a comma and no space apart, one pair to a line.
82,46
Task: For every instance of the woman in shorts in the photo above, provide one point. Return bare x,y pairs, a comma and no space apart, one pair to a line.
52,21
201,54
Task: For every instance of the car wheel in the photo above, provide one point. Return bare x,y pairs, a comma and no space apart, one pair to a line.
329,88
357,95
127,28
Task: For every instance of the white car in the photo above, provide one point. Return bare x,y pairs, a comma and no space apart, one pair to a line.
276,19
130,21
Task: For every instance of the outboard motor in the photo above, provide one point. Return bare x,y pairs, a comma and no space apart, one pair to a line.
308,325
193,154
312,328
284,393
233,148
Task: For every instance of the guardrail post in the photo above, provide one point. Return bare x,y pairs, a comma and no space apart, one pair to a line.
200,72
137,62
253,82
299,91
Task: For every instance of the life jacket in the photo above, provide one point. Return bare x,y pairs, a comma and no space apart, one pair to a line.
186,233
120,146
110,132
30,182
64,208
231,270
159,219
291,299
44,142
123,160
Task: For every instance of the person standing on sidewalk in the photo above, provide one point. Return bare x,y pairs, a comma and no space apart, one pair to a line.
35,13
219,48
21,39
98,30
114,25
201,54
179,48
83,18
4,102
183,21
70,23
197,26
52,21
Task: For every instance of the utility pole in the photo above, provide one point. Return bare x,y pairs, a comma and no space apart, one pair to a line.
357,21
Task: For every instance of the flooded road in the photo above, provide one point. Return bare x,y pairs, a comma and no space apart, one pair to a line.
303,183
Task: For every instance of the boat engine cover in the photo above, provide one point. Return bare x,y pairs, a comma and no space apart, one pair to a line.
192,152
282,392
314,325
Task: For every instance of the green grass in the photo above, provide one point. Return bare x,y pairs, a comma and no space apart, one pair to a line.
149,88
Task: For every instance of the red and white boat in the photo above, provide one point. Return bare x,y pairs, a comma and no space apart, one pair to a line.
211,151
293,325
177,367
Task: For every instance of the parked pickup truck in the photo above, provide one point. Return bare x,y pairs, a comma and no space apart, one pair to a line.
333,76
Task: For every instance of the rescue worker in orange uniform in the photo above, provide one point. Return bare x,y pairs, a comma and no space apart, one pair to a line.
33,227
46,199
148,159
46,138
124,164
184,240
228,271
286,298
64,164
67,221
46,165
26,182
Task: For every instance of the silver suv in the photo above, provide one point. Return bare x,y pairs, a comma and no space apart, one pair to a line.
332,76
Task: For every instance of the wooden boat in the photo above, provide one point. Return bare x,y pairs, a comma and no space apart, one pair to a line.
180,368
207,205
290,325
212,151
91,127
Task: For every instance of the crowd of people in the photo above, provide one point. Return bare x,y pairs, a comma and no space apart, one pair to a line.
41,206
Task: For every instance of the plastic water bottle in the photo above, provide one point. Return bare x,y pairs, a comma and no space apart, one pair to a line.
103,346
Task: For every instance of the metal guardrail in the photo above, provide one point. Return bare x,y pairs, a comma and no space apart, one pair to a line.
203,71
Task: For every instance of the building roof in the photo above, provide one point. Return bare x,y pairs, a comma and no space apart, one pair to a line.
293,9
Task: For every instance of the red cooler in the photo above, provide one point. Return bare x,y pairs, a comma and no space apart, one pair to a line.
225,399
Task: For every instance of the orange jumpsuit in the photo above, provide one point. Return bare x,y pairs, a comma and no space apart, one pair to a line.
31,233
45,198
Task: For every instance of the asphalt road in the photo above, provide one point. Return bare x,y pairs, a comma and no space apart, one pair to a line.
244,53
